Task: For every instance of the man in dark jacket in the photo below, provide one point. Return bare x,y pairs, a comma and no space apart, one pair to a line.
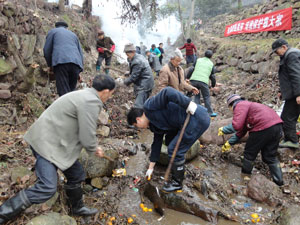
63,53
190,51
164,114
154,62
265,130
105,47
289,81
203,72
56,140
162,51
140,74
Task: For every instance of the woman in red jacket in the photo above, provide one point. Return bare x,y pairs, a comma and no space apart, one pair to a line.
265,130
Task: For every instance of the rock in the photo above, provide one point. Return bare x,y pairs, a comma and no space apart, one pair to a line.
35,105
191,153
189,202
263,190
5,67
263,68
5,94
28,45
290,216
103,131
48,204
98,167
4,86
52,218
233,62
247,66
103,118
19,172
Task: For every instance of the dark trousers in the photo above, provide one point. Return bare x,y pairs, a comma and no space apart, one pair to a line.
197,125
289,115
46,184
66,76
160,60
141,97
190,59
266,141
101,58
204,89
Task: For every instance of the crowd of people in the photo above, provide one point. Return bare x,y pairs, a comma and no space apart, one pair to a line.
70,123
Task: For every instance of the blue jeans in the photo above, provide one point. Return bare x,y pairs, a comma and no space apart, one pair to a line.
204,89
46,184
190,59
198,124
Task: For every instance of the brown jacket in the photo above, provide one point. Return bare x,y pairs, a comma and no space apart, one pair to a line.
170,76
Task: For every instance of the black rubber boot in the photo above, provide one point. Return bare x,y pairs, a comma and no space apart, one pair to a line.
276,173
177,171
13,207
247,166
75,202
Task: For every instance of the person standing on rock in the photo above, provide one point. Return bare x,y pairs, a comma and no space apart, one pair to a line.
173,75
56,140
105,47
265,130
140,74
154,62
289,81
164,114
63,54
190,51
203,72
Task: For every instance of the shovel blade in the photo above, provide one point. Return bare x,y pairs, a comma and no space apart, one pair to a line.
153,194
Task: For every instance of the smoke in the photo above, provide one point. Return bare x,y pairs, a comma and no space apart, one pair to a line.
109,11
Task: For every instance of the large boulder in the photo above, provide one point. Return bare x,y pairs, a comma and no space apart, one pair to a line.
18,173
263,190
52,219
290,216
5,67
98,167
191,153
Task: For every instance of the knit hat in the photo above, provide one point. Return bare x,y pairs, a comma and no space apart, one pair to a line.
129,48
61,24
232,98
278,43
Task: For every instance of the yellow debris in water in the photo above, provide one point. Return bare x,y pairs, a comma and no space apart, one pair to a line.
133,215
130,220
149,210
179,191
112,218
145,209
254,215
142,205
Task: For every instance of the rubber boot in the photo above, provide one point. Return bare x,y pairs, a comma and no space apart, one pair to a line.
75,202
106,71
177,171
247,166
97,68
276,173
13,207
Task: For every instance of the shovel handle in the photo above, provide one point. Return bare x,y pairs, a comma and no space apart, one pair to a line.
176,147
108,158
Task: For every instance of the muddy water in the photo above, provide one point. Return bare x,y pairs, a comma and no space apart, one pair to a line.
137,163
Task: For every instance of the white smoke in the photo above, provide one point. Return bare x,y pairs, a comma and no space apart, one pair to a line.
109,11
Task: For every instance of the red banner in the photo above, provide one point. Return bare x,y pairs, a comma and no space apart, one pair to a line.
278,20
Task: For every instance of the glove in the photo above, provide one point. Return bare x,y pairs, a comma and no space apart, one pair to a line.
220,131
226,147
149,174
100,50
191,108
120,81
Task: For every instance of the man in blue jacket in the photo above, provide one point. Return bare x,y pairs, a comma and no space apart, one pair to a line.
164,114
63,54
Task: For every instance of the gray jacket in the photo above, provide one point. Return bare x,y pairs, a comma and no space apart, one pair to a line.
140,74
289,74
62,46
67,126
154,62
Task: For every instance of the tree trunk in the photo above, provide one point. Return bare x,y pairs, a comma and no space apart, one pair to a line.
181,20
240,4
188,33
61,5
87,9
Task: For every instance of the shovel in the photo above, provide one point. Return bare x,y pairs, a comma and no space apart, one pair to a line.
151,191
